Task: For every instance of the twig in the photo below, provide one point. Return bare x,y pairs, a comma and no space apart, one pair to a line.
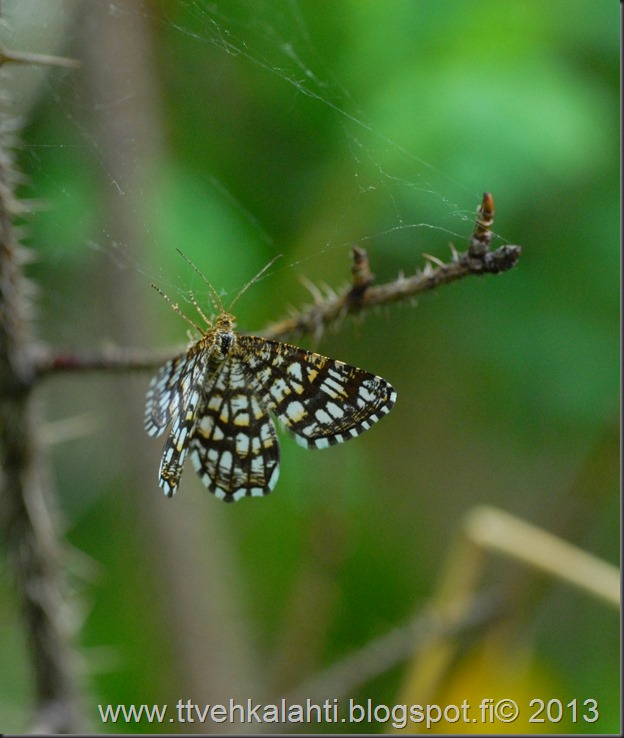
381,654
363,295
360,296
109,359
499,532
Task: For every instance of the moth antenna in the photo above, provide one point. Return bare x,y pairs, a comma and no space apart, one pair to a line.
214,295
252,280
199,310
176,308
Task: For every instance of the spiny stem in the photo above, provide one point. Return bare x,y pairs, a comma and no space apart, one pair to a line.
312,320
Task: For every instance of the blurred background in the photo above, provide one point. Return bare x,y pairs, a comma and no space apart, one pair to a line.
237,131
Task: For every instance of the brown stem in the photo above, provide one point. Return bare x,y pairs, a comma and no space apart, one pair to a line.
360,296
26,523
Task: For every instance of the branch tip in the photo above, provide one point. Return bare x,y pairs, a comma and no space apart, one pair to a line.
360,269
482,235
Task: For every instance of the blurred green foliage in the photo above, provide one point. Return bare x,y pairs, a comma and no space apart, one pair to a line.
299,128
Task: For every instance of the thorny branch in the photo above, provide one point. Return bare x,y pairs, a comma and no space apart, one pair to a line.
26,522
327,310
363,294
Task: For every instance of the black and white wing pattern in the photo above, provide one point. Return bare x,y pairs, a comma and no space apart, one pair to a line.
234,448
173,395
321,401
219,398
172,387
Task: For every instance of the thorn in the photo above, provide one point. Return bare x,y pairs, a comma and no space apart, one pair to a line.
434,260
312,289
329,291
25,57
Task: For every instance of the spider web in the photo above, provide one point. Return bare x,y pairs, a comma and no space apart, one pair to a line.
410,204
382,168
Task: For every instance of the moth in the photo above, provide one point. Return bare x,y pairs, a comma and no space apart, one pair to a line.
222,396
